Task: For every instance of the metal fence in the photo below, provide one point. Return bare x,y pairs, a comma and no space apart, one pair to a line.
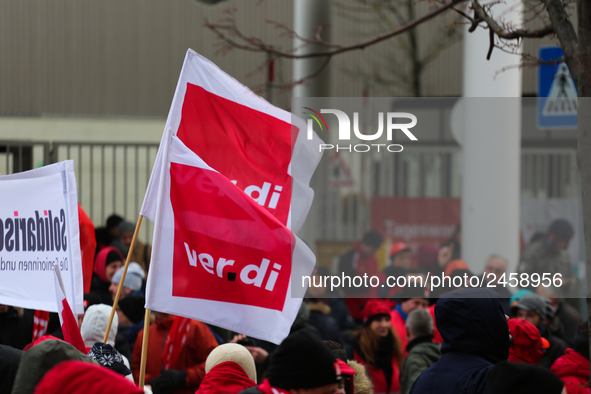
110,177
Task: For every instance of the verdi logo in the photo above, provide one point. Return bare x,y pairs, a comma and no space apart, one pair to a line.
391,120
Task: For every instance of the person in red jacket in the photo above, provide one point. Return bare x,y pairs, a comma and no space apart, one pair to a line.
527,342
573,367
378,347
177,350
410,298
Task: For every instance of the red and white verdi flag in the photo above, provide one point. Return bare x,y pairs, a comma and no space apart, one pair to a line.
227,193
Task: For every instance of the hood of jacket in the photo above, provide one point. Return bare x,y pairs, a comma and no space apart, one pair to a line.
39,359
472,321
571,363
100,263
527,342
9,361
95,324
363,384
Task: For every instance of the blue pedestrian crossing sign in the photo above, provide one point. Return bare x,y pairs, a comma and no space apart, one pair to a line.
557,93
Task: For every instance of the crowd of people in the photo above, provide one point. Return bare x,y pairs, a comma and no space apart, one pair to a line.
352,340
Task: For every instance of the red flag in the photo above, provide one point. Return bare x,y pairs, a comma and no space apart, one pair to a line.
87,247
68,321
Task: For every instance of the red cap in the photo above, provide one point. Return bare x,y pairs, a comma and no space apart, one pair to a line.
347,371
398,247
374,308
345,368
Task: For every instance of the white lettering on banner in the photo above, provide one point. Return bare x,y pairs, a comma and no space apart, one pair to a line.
260,271
192,256
261,194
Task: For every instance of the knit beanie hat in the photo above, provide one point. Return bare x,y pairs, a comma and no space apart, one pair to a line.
133,308
302,361
108,356
125,227
112,257
134,277
509,378
373,309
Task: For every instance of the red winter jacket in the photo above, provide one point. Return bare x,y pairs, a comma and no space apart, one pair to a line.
225,378
200,342
573,369
379,379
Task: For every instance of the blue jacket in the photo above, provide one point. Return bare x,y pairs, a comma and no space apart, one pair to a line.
475,335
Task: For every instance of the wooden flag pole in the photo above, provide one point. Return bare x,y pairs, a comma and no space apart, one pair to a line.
144,348
116,300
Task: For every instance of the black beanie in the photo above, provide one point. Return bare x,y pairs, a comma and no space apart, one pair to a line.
113,256
372,238
581,345
509,378
133,308
302,361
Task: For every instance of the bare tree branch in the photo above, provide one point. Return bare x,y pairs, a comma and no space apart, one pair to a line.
508,34
256,45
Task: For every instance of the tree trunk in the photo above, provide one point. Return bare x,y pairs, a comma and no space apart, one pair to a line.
582,74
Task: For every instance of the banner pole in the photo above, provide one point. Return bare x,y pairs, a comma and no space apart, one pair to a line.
144,356
116,300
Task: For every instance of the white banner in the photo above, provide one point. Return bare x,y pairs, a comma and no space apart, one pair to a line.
39,226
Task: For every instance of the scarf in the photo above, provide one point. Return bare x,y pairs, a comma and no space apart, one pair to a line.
175,340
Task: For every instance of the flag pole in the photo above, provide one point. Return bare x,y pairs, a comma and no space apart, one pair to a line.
120,287
144,349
